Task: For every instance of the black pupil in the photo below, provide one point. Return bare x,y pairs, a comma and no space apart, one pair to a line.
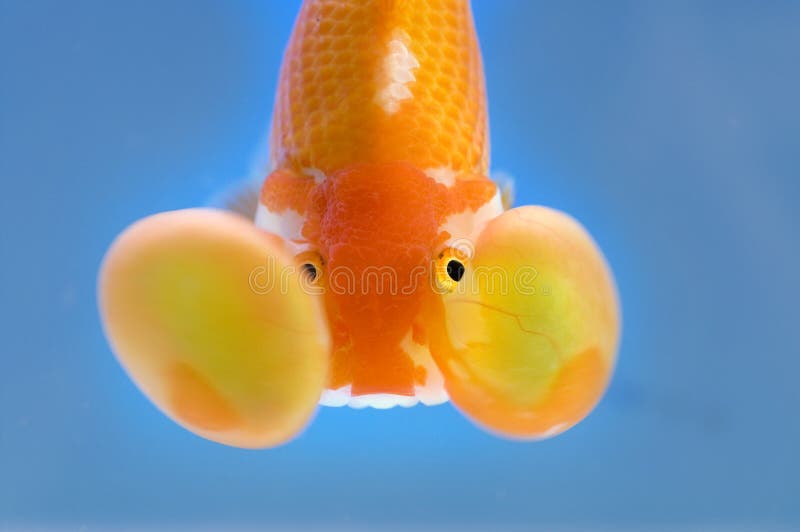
455,270
310,270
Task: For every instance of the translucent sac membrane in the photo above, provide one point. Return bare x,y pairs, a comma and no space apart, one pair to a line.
208,316
533,327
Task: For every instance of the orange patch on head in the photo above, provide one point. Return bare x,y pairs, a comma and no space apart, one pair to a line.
284,189
197,403
469,194
376,226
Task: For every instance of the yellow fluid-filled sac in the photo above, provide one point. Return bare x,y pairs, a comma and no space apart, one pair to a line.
533,326
188,309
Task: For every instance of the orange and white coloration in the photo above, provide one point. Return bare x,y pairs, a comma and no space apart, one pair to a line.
382,268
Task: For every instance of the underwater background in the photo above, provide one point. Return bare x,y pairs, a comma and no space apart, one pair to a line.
670,129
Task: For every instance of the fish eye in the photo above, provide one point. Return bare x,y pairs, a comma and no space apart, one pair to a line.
455,269
449,269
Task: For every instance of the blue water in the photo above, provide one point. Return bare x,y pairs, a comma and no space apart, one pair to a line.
671,129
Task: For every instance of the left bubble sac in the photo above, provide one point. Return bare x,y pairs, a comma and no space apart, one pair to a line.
228,361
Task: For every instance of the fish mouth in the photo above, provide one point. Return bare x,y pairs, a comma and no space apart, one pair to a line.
382,401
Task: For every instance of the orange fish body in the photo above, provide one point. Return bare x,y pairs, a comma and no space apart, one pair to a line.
381,116
381,81
402,278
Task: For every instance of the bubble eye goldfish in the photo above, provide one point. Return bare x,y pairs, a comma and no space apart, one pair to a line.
384,267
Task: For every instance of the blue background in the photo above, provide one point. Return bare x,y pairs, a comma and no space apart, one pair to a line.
671,129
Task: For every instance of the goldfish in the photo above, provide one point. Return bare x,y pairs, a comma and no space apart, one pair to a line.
382,266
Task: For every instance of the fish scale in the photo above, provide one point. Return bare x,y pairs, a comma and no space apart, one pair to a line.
329,110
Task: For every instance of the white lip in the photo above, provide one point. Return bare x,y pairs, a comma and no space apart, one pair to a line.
382,401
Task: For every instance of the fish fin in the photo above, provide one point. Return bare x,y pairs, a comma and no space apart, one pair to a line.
241,198
505,183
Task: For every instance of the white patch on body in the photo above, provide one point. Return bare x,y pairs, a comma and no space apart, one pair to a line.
467,224
398,67
338,397
342,397
431,393
287,225
381,401
445,176
318,175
